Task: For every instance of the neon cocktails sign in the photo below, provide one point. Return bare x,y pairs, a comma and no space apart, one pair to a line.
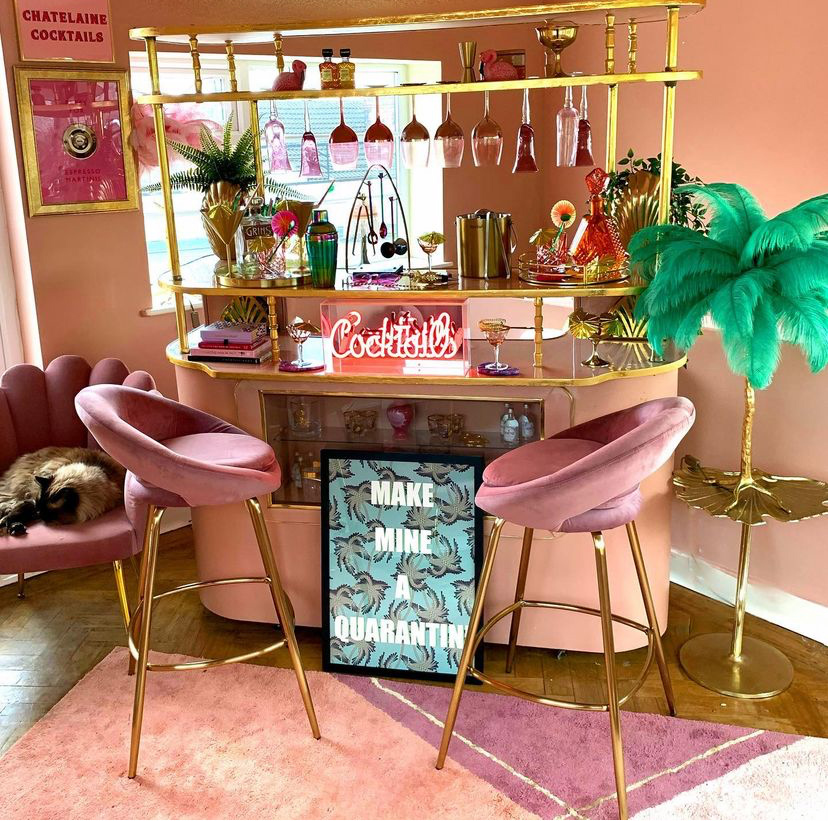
398,336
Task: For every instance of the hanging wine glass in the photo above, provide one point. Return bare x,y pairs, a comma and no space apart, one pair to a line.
415,141
274,131
343,144
568,119
487,138
583,153
309,151
449,141
525,153
378,142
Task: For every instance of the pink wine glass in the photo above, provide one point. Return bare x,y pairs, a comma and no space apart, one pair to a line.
487,138
343,144
449,141
415,141
378,142
310,151
525,153
274,131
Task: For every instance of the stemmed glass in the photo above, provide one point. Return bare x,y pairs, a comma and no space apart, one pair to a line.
379,142
487,138
310,152
275,138
429,243
567,125
495,331
449,141
415,141
583,154
525,153
300,331
343,144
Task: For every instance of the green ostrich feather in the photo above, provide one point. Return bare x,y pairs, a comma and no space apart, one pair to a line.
762,281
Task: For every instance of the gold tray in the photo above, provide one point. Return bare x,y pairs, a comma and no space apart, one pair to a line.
293,280
529,271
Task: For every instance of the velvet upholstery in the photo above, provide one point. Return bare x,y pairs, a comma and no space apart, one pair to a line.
586,478
37,409
176,455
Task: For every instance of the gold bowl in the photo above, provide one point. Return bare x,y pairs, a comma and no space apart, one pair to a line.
555,37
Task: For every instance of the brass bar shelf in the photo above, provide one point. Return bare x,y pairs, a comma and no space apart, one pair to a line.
588,12
432,88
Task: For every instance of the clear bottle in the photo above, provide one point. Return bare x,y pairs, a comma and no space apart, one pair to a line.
511,430
296,472
527,424
568,120
347,72
504,417
328,70
254,240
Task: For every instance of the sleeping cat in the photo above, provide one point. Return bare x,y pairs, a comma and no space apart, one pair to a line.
62,485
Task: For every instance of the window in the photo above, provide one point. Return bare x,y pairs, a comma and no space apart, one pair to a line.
324,115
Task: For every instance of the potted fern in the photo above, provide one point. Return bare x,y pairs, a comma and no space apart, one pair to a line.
223,172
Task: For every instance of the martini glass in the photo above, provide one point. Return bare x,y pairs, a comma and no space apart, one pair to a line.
378,142
343,144
495,331
487,138
415,141
429,243
275,138
525,153
449,141
300,331
309,151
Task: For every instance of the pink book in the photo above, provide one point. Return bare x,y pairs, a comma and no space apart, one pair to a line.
240,333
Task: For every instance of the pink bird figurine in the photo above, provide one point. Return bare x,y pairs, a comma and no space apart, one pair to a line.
494,69
291,80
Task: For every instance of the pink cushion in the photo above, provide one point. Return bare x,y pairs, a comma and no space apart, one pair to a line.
58,547
233,449
586,478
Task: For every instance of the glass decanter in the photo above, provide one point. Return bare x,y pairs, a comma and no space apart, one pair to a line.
568,119
597,234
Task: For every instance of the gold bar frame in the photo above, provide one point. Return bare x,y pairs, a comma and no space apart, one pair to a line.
257,145
669,117
632,46
196,58
612,95
231,65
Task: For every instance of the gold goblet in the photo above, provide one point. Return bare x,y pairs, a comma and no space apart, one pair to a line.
222,220
555,37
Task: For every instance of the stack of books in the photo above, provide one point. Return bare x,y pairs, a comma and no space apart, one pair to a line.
242,343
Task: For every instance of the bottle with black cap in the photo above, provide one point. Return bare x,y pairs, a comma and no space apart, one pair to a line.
347,78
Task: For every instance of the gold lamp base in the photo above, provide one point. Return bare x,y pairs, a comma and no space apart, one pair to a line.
761,671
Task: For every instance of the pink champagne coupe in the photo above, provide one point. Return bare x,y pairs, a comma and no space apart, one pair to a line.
309,151
487,138
449,141
274,131
415,141
378,142
525,153
343,144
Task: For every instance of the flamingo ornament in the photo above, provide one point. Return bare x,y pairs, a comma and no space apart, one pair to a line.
292,80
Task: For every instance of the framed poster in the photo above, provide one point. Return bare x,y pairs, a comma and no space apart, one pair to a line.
74,129
401,555
64,30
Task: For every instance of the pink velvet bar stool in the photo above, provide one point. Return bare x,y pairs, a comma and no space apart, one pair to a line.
582,480
178,456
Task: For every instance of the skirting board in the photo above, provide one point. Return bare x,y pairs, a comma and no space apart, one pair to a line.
174,518
776,606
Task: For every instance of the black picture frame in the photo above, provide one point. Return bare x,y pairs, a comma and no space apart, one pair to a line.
326,455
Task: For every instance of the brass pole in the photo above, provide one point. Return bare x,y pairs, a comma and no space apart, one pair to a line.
196,62
166,190
746,473
231,65
538,361
120,586
612,94
668,121
741,594
257,146
632,50
273,325
520,591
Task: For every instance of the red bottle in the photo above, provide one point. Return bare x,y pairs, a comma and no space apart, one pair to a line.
597,234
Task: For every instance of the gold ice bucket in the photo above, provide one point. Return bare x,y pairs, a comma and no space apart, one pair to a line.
485,243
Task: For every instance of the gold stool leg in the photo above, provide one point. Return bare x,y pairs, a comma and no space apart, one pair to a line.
520,590
468,646
142,578
612,683
120,586
283,610
154,515
649,607
21,585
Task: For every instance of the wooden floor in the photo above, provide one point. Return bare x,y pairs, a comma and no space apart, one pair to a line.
70,620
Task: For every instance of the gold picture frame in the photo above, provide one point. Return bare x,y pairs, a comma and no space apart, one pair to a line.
74,131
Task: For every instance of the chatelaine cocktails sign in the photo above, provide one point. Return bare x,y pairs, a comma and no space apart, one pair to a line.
399,338
72,30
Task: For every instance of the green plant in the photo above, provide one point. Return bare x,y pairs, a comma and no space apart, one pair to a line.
221,162
683,211
762,280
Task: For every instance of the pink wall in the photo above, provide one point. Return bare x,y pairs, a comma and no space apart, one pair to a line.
764,130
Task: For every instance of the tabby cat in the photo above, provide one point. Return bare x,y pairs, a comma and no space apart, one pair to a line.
61,485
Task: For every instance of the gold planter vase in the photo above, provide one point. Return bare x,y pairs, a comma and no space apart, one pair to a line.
219,192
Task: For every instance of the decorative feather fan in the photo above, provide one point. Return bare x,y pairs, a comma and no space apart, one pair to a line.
762,280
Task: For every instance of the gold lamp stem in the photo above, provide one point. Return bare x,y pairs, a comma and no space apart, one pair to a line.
747,436
741,594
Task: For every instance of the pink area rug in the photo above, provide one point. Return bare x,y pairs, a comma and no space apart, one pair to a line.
234,743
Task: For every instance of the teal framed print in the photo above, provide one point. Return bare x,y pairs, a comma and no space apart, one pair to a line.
401,556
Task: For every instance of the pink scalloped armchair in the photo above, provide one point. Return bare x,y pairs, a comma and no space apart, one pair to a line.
37,409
